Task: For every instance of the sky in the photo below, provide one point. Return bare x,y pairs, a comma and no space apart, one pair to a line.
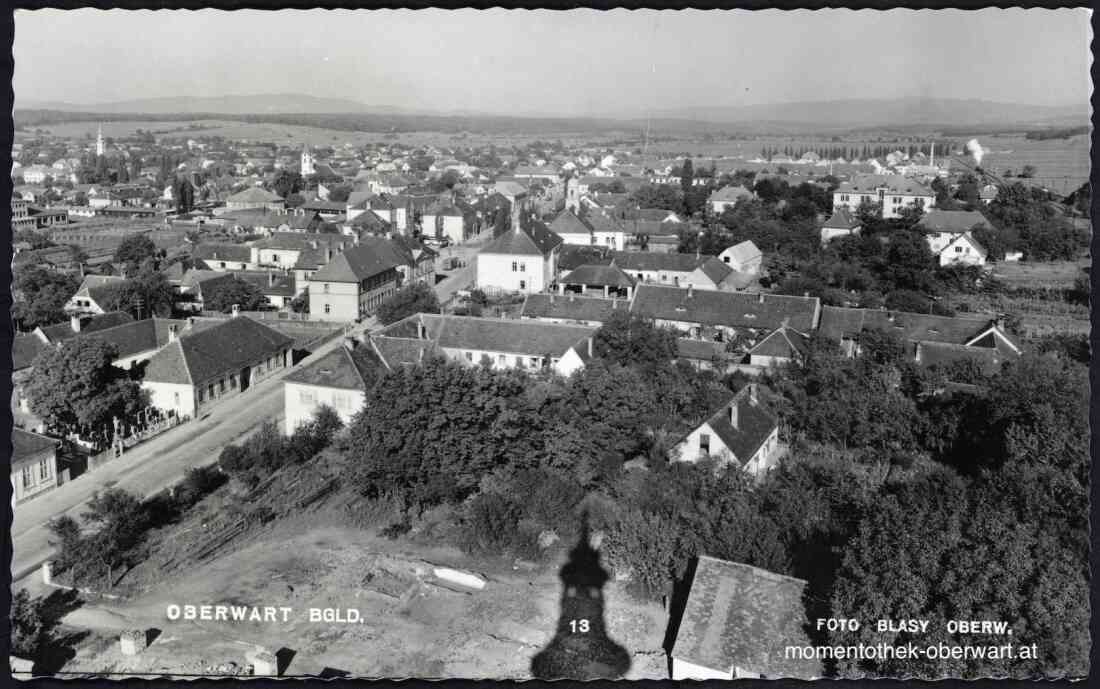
581,62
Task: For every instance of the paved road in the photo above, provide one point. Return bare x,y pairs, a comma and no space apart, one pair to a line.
153,465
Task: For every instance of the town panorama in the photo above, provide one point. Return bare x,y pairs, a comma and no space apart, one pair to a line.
336,358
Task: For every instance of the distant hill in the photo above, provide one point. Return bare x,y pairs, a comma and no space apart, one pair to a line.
895,112
229,105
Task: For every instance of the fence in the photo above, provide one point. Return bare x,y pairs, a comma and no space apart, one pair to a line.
122,444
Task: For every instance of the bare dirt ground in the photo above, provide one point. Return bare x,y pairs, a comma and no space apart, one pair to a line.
410,628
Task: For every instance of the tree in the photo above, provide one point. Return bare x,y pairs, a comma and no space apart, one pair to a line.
145,294
339,194
75,386
43,295
661,196
133,251
628,339
687,176
909,262
415,298
222,295
300,303
286,183
1028,172
28,630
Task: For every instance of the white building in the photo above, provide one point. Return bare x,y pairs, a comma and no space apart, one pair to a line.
743,433
339,380
520,260
950,239
893,193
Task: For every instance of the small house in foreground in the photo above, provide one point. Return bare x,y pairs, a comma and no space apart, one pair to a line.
739,622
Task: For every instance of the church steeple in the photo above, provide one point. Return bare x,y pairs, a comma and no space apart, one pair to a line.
100,147
307,161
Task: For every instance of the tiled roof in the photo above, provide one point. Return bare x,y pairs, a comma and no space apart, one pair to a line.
942,354
369,220
203,355
842,219
526,337
140,336
656,260
348,369
838,323
254,195
731,309
782,342
537,240
26,444
895,184
372,256
951,221
63,331
574,256
284,283
567,222
222,252
714,269
91,282
742,616
598,276
701,350
744,251
571,307
401,351
754,424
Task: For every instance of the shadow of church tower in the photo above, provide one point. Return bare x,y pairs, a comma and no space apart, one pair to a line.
581,648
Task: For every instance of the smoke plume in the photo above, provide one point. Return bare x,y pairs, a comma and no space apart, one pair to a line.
975,150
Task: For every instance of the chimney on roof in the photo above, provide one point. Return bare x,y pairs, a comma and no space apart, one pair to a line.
74,322
733,414
236,310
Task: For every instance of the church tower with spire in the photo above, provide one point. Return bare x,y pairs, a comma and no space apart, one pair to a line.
307,162
100,147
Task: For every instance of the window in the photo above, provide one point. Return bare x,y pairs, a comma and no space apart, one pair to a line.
222,264
500,359
664,278
958,249
340,401
221,386
469,356
328,309
306,397
523,284
534,362
523,267
176,398
199,394
233,382
325,290
275,258
210,390
704,443
515,267
44,469
28,477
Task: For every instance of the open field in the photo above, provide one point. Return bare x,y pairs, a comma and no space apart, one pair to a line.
1052,275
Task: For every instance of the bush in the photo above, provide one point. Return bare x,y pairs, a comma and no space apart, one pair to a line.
489,524
197,484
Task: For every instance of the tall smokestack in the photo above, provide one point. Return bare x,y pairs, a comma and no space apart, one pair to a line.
932,155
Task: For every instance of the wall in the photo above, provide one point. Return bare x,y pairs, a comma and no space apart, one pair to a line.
283,258
38,483
688,448
342,299
301,402
209,393
454,228
495,270
171,397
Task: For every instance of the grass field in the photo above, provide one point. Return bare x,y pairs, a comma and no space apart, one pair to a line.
1052,275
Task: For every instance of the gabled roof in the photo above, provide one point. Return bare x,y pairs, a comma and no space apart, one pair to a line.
204,355
92,282
403,351
656,261
222,252
754,424
63,331
140,336
951,221
964,238
988,359
524,337
838,323
571,307
731,193
842,219
894,184
343,368
743,251
714,269
783,342
25,444
742,616
730,309
373,255
536,240
567,222
254,195
598,276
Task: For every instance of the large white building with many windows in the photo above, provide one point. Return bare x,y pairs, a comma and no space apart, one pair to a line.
520,260
893,193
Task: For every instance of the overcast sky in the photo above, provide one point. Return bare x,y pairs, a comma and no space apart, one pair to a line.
572,63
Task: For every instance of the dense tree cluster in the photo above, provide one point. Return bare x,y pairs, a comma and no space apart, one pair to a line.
418,297
223,295
42,295
268,449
